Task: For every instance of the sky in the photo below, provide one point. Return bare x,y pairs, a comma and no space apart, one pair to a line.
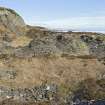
78,15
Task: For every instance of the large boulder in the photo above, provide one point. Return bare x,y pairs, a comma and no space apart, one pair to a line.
10,23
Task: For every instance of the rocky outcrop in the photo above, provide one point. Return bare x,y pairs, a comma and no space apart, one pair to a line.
11,24
9,17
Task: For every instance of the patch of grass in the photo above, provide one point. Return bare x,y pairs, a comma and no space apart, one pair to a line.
64,89
101,37
101,83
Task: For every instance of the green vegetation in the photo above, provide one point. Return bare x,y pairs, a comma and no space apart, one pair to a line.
64,89
12,11
101,37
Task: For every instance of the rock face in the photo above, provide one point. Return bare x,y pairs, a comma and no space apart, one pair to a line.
10,23
9,17
47,67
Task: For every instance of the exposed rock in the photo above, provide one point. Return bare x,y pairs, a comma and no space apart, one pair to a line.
11,24
12,15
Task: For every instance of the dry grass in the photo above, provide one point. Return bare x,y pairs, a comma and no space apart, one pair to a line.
59,70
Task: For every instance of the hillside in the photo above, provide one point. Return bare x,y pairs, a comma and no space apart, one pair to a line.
40,66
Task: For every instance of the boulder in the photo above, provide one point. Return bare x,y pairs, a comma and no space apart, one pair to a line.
11,23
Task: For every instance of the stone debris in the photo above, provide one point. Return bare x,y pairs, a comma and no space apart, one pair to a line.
41,93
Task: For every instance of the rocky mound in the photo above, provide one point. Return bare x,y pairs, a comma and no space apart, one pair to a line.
11,23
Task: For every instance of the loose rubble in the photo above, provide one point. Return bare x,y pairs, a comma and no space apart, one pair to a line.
35,94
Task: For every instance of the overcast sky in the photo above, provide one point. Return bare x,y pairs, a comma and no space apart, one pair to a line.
86,15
